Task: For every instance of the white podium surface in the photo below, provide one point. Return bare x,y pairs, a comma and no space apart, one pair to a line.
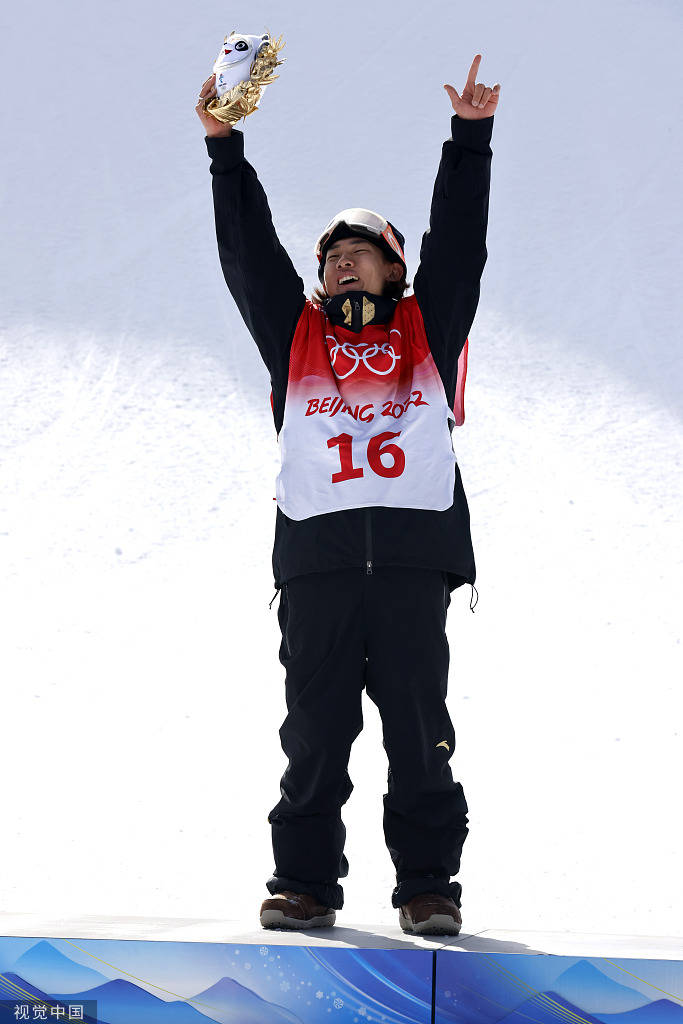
348,934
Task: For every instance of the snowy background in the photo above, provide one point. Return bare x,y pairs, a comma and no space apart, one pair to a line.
141,689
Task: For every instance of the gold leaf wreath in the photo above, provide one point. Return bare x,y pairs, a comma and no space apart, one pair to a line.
241,100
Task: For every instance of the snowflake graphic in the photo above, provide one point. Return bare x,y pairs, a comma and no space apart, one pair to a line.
338,1003
318,994
263,950
285,986
247,966
362,1011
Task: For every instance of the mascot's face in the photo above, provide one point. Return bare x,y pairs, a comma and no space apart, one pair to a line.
233,63
238,48
357,265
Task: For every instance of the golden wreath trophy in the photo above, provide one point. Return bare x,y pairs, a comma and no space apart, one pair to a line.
243,68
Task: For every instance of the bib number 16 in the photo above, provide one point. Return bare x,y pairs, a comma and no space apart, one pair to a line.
377,446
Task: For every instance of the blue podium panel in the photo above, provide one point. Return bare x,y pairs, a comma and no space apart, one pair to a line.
128,971
120,981
484,986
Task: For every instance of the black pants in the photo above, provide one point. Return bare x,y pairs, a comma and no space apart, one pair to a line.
341,631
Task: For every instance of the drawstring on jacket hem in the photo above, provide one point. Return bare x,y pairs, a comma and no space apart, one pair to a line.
472,606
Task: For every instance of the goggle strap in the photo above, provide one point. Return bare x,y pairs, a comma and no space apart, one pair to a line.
388,236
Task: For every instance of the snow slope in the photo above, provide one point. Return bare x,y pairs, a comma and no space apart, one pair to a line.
139,457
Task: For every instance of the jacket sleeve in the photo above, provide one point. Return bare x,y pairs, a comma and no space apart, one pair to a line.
262,280
453,251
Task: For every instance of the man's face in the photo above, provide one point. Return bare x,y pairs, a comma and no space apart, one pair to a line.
360,261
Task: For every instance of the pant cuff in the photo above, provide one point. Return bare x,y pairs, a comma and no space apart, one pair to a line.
405,890
329,893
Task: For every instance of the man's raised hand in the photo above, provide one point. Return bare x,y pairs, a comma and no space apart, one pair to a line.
477,100
213,128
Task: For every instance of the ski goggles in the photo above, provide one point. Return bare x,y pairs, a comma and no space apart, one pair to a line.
366,222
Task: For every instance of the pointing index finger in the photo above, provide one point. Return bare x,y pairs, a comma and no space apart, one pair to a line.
472,76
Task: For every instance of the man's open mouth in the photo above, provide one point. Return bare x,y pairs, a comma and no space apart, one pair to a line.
347,279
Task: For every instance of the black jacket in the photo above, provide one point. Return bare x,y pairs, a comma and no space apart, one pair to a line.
270,296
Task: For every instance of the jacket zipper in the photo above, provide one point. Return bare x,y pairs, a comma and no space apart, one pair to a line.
356,321
368,543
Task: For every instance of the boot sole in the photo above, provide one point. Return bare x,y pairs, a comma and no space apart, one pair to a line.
276,919
437,924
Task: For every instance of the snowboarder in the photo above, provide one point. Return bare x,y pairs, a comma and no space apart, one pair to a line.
372,525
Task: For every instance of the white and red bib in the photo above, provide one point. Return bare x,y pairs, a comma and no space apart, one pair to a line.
366,420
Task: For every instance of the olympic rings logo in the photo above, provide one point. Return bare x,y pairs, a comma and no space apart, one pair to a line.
370,352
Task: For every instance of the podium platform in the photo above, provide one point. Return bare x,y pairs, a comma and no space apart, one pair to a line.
111,970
